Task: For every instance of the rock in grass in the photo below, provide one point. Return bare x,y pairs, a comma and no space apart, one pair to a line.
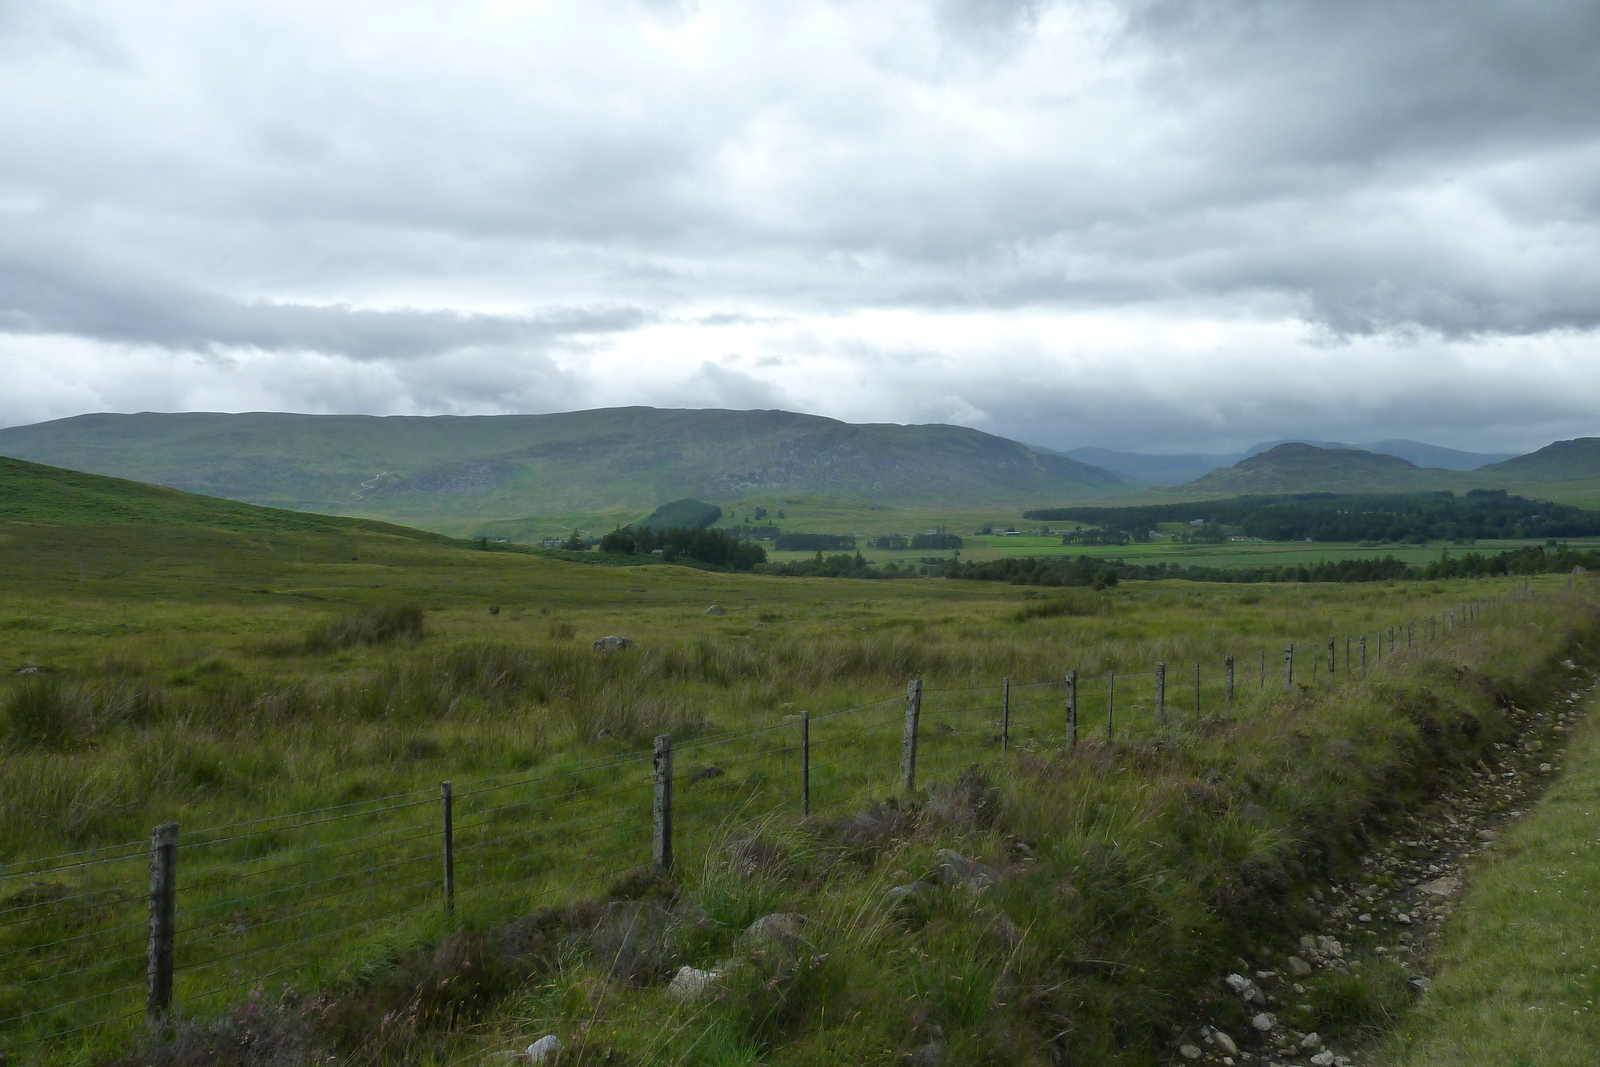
1298,967
544,1048
613,643
1323,1059
715,610
902,894
1225,1043
1312,1040
787,929
1190,1052
691,983
1263,1022
956,869
1245,988
1442,887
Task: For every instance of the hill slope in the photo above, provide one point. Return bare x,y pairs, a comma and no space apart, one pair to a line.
1563,460
1176,468
42,495
441,468
1300,468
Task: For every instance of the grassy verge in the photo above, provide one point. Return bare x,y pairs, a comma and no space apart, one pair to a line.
1519,974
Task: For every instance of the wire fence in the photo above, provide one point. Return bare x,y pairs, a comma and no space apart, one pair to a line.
98,939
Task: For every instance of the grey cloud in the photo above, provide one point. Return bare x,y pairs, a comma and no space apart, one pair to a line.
269,179
60,290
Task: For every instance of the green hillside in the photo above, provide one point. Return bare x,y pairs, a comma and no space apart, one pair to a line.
442,470
1567,472
1291,468
43,495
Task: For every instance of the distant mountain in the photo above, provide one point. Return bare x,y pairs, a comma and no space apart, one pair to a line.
446,469
1155,469
1141,468
1300,468
1418,452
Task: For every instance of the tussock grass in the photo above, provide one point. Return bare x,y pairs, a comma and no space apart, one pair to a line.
370,625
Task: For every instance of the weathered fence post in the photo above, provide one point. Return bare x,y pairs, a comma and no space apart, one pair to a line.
1411,634
1227,669
805,765
1391,640
1072,708
661,766
1161,694
163,920
908,742
1363,652
1263,671
1332,666
1005,714
1111,705
447,800
1288,667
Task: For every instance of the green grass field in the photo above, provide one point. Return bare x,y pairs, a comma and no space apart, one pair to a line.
215,676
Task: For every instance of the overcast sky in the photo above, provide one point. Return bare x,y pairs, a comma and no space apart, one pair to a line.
1154,226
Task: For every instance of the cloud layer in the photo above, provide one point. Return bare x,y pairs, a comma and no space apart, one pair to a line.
1154,225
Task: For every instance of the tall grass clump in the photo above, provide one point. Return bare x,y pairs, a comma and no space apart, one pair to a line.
370,625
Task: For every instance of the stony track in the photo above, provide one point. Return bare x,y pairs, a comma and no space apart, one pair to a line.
1409,885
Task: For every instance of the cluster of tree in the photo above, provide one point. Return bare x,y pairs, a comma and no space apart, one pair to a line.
752,533
682,514
936,540
1396,517
1101,535
1056,570
702,545
1553,559
813,542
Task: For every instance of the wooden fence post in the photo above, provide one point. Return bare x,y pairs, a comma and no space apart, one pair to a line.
1288,667
908,742
1411,634
1263,671
1363,652
1332,666
1227,667
1005,714
661,766
1391,640
447,799
1072,708
162,923
1111,705
1161,694
805,765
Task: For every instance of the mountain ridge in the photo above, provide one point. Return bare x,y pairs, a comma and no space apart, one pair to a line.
417,469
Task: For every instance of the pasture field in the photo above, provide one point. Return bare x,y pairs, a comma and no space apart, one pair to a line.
220,678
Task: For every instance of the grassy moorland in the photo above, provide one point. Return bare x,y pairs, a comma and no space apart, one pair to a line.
217,676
